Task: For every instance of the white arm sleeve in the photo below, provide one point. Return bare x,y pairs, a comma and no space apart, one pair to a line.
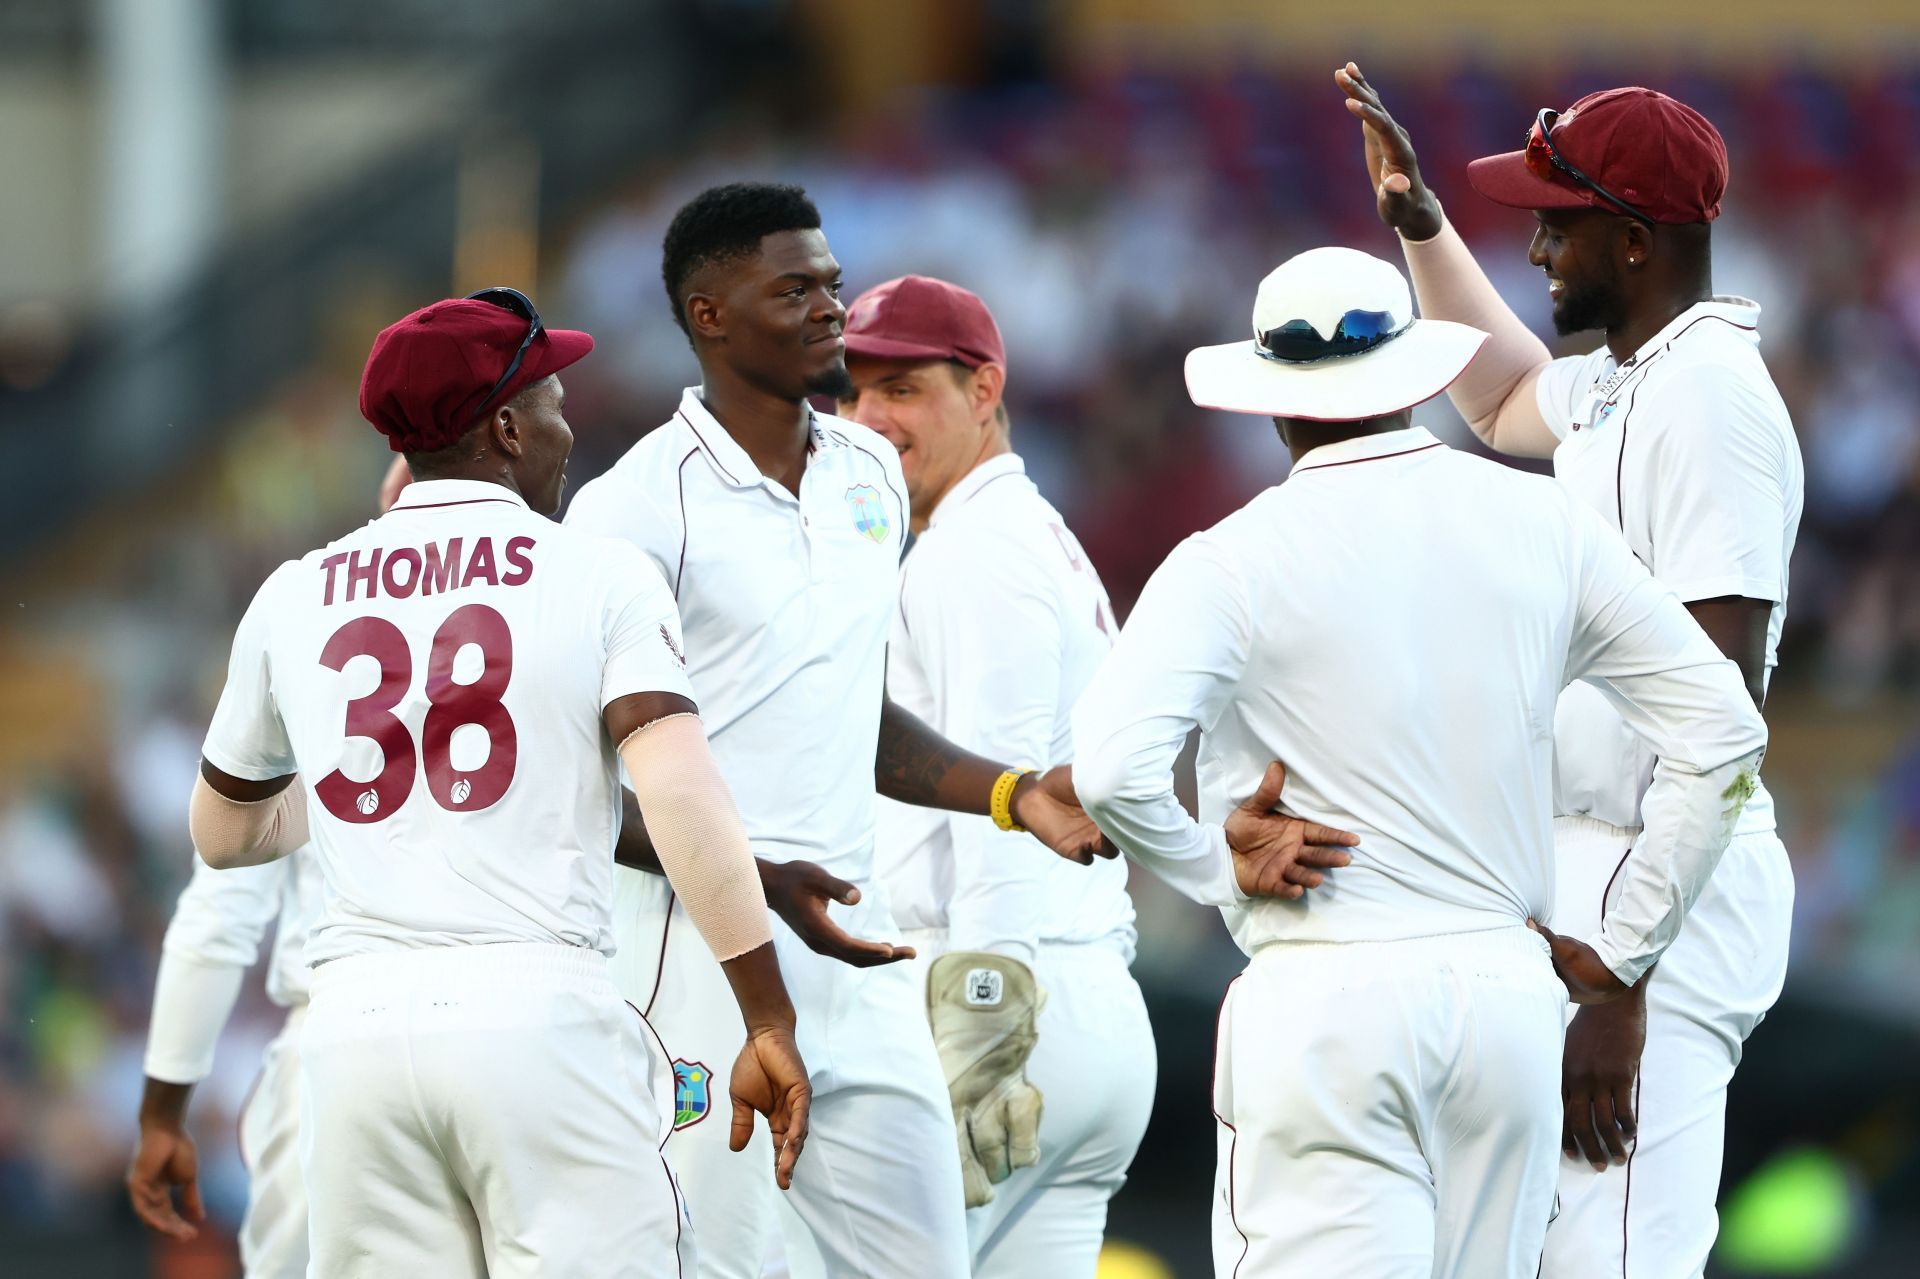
1496,394
1175,667
212,939
191,1004
696,831
1639,646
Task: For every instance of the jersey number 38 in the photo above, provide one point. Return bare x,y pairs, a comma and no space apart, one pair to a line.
449,706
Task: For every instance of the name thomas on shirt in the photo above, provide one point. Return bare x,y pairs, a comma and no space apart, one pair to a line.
434,569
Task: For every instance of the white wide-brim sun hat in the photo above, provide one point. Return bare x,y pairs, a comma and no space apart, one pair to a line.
1335,340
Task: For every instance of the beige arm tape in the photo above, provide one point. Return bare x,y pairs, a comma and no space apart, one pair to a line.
697,833
1496,393
229,832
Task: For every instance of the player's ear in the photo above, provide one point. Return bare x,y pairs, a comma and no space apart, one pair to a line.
703,316
1636,243
505,432
989,384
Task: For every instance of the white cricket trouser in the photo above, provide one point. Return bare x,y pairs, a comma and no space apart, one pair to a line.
1095,1067
484,1111
273,1234
1654,1217
1389,1110
876,1194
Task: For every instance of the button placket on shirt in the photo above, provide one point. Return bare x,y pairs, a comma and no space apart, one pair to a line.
817,555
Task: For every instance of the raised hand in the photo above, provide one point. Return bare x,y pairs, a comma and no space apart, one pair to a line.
1046,805
1275,855
770,1078
1403,200
799,892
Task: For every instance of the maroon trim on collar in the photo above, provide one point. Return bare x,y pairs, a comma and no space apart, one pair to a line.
466,501
680,481
712,456
1700,319
1354,461
990,482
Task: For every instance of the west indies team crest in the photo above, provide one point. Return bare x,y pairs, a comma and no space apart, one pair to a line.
691,1099
869,512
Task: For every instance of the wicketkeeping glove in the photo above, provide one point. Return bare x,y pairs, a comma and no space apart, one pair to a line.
984,1009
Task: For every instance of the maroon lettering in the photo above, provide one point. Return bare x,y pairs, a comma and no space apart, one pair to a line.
441,576
397,589
366,575
481,565
331,563
517,548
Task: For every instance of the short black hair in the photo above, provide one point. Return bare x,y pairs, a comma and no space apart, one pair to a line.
727,222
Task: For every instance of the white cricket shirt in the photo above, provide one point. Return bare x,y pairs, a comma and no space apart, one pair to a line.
787,603
436,678
1688,451
1002,623
1395,622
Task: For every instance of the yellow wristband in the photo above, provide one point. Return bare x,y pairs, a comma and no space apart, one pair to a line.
1000,806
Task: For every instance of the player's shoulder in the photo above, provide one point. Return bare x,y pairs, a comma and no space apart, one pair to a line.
1715,352
288,574
864,448
1715,389
596,556
1489,485
641,483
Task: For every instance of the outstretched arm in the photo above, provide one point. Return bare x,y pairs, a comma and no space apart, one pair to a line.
916,765
797,891
1498,394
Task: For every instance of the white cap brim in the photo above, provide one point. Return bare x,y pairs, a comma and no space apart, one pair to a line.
1411,369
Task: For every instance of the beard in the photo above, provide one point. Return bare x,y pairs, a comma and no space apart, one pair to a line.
1597,305
834,381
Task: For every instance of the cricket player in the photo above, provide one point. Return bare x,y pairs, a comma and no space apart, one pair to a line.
1673,432
212,940
445,696
1002,622
1396,621
779,530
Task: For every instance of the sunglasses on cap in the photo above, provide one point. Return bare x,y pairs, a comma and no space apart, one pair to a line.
1542,159
1298,342
521,305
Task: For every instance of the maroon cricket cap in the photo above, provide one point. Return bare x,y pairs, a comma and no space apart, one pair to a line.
427,377
1653,152
919,318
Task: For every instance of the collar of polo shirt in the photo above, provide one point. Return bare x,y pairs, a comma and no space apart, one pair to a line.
1368,448
728,457
1742,313
1000,464
454,492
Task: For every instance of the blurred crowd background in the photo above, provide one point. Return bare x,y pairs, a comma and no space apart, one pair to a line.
212,205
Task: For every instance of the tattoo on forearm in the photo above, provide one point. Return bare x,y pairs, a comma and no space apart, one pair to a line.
911,760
